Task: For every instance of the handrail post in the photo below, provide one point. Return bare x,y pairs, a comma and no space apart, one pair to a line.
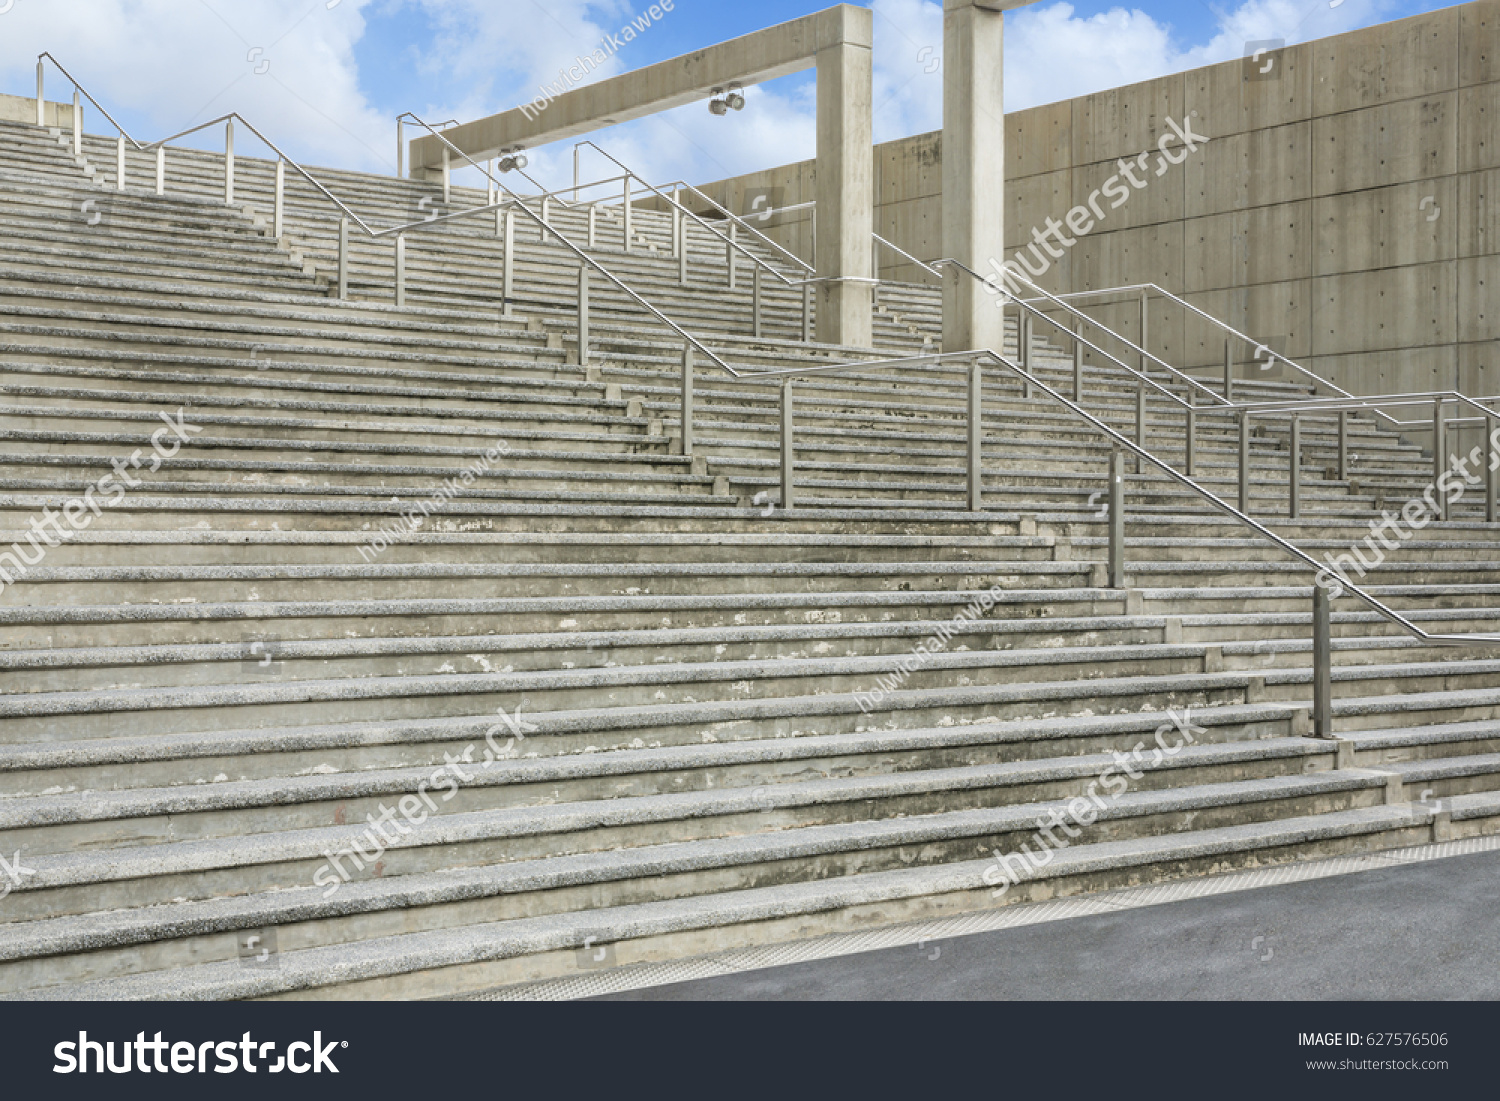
787,461
508,265
1322,664
1077,363
1439,461
729,257
976,437
279,216
343,259
1343,445
1140,420
400,148
1191,453
755,302
447,177
1295,488
583,315
161,169
77,124
807,313
41,103
628,219
229,162
593,225
1117,519
687,399
1489,481
120,163
677,224
1228,371
682,258
542,234
1144,324
1026,341
400,271
1245,463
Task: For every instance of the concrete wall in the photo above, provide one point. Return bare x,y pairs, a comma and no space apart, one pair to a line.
21,109
1346,206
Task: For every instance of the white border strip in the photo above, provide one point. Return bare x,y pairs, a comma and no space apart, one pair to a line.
642,975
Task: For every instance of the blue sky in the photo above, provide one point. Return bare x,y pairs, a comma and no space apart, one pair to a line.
326,78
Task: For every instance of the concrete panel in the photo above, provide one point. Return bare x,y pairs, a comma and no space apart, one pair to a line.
1152,254
1416,57
1479,128
1415,223
1039,140
1478,298
1276,314
1395,308
1479,42
909,169
1241,248
1392,372
1478,213
1123,121
1229,102
1479,368
1030,201
1158,199
1410,140
1260,168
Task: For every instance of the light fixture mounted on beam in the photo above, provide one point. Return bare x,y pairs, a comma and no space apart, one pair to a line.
727,99
513,158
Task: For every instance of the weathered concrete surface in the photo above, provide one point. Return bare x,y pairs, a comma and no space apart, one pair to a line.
1410,932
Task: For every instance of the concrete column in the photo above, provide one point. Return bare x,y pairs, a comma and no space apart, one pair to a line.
973,167
846,182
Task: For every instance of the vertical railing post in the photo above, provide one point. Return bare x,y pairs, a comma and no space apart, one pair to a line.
41,100
120,163
677,222
1343,445
1439,454
400,271
1190,463
755,302
508,265
583,315
279,216
682,257
542,235
1489,475
1078,363
400,148
729,256
1228,371
629,222
447,177
343,259
1245,463
161,169
787,462
1144,331
1140,420
807,327
976,437
77,124
1295,487
1026,341
687,398
1322,664
229,162
1117,519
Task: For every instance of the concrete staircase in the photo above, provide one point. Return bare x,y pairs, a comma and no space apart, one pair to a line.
211,689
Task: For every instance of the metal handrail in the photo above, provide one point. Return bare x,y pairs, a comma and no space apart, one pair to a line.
740,220
899,251
681,209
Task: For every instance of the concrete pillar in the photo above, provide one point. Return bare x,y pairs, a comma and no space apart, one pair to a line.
846,182
973,167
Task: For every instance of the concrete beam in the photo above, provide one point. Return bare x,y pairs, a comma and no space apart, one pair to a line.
774,52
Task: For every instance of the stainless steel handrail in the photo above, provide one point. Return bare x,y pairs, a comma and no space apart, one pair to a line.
675,205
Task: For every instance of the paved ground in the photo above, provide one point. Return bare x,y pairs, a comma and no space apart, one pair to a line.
1421,931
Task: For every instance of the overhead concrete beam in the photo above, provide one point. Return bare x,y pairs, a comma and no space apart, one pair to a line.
765,55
